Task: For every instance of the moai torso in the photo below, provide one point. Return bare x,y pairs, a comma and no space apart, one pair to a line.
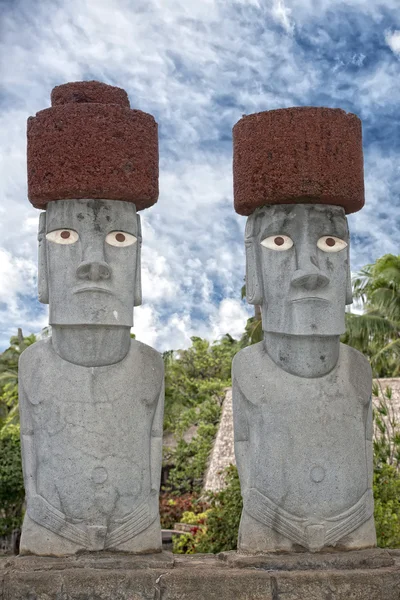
308,467
92,430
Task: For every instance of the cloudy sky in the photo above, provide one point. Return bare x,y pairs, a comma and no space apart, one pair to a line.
197,66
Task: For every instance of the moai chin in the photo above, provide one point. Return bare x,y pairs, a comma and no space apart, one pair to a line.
91,398
301,399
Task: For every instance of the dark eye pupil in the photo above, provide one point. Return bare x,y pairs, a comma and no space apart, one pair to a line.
120,237
65,235
279,241
330,242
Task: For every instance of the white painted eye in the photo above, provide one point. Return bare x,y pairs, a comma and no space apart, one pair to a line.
277,242
120,239
63,236
329,243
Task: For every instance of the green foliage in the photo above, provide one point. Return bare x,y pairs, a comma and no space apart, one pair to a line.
187,543
12,492
196,374
172,508
9,414
253,332
386,469
376,333
223,517
387,506
195,383
216,529
190,458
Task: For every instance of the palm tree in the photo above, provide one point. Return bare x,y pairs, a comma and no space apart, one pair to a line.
376,332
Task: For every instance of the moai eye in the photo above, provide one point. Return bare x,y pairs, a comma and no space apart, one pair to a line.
277,242
329,243
63,236
120,239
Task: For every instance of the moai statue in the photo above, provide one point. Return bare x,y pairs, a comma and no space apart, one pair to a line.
91,398
301,399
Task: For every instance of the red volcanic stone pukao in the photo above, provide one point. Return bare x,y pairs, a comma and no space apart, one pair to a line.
305,155
90,144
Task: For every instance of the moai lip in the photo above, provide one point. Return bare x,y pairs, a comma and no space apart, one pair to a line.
91,144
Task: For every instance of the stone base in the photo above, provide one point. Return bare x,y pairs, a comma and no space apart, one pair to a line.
362,575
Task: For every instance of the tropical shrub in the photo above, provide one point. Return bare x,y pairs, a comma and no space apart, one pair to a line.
216,529
386,469
9,413
173,507
12,493
196,379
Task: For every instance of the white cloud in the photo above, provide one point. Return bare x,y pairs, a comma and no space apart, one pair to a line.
283,15
392,38
197,66
230,318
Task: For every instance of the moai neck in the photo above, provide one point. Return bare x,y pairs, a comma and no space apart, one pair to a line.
91,346
303,355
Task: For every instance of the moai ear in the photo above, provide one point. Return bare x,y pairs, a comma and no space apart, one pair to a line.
253,282
43,286
138,277
349,289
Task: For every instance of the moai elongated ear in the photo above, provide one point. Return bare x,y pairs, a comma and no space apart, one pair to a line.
253,282
349,289
43,286
138,277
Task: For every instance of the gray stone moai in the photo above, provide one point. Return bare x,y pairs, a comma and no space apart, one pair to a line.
91,398
301,400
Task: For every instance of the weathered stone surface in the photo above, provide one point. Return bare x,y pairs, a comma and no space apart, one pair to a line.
374,558
90,144
89,92
222,454
92,560
304,154
190,578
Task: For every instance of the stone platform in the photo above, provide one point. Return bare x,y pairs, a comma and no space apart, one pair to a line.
362,575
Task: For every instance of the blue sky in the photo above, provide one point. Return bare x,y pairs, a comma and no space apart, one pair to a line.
197,66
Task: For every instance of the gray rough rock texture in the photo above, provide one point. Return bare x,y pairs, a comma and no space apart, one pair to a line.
374,575
222,454
91,399
301,400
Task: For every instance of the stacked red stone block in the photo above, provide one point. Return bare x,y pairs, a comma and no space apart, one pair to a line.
90,144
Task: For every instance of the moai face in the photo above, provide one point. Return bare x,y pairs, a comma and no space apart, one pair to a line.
89,262
298,268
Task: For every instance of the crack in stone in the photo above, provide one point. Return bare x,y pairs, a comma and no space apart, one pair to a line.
274,588
160,588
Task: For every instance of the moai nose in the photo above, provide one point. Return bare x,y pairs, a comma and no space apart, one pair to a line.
93,270
309,281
